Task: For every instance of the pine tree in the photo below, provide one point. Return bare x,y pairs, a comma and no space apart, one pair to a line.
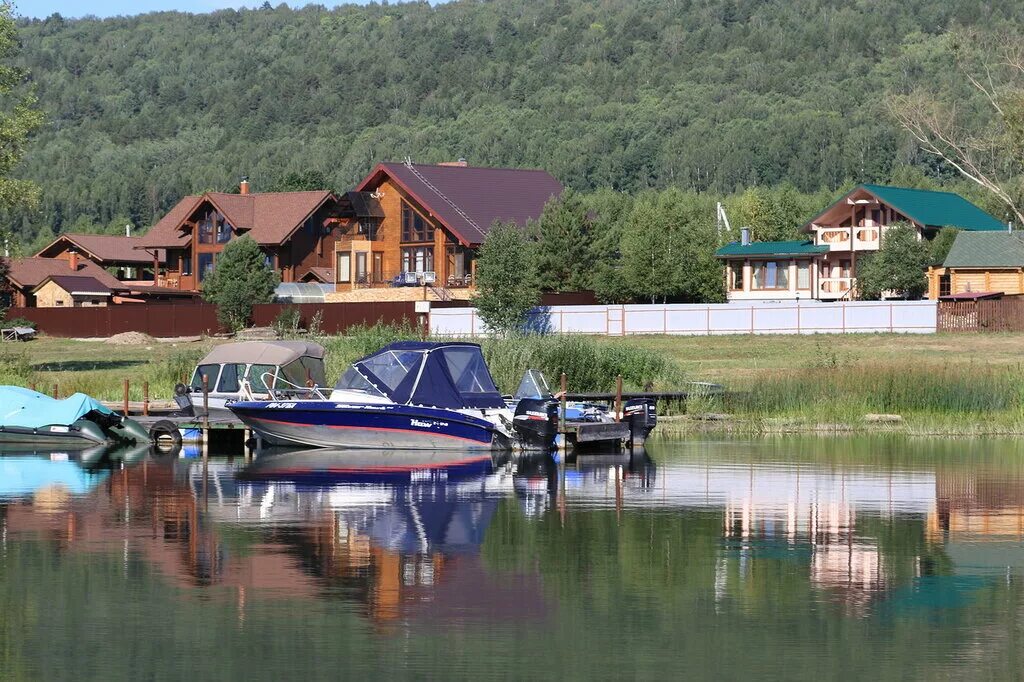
240,280
562,252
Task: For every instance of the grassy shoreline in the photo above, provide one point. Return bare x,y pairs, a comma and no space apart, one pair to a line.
940,385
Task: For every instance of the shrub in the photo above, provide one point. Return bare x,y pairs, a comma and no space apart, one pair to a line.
287,321
240,280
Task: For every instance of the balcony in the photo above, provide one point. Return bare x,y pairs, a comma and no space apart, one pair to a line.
411,279
835,287
866,238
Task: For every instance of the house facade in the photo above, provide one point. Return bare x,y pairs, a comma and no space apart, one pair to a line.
72,291
980,263
25,275
855,224
415,229
296,231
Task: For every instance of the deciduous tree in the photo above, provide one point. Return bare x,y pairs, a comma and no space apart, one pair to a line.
897,268
506,280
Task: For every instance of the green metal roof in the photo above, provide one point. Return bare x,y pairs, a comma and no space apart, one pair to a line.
799,247
986,250
936,209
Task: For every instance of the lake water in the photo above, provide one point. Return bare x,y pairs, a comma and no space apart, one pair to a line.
808,558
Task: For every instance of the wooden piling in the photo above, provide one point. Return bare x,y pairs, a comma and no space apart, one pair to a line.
206,416
618,398
55,393
145,398
564,443
126,396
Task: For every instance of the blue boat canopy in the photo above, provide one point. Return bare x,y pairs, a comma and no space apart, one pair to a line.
448,375
32,410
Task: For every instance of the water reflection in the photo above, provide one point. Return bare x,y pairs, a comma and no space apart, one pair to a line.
692,541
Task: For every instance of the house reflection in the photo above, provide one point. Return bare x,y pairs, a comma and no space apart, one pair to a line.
406,551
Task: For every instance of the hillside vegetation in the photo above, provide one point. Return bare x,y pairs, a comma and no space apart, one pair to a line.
703,95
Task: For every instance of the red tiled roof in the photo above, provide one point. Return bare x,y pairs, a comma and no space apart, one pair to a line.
30,272
468,200
268,217
166,233
77,284
103,248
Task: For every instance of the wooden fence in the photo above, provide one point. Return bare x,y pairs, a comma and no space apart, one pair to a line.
997,315
193,319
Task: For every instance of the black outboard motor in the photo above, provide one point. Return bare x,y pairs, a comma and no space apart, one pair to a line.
536,422
642,416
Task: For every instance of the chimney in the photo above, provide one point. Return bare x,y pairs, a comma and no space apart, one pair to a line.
73,260
243,186
745,236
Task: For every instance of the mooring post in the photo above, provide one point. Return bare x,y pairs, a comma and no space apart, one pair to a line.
126,396
145,398
618,398
55,391
563,445
206,415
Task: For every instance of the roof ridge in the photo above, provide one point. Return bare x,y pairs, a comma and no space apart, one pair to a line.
446,165
917,189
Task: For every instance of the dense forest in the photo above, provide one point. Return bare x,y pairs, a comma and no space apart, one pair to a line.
709,96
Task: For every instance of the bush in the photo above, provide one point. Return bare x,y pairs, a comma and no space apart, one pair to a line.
287,322
240,280
19,322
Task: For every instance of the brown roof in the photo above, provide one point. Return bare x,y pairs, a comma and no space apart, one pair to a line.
102,248
468,200
28,273
325,275
269,217
166,232
77,284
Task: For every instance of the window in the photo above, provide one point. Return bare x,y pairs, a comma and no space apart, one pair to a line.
414,227
469,371
736,276
418,259
211,372
223,230
771,275
352,380
378,266
206,262
344,266
213,228
259,375
186,265
229,375
803,275
206,230
361,267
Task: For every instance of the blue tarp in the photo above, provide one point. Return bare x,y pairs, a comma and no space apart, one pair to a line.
31,410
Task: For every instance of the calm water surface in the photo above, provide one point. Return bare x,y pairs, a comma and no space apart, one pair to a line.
777,559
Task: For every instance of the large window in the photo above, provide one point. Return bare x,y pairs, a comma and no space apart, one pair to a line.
186,264
736,275
803,275
414,227
418,259
205,262
771,275
344,267
213,228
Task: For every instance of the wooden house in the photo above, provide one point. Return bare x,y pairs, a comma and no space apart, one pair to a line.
416,225
296,231
855,224
72,291
25,275
125,257
980,263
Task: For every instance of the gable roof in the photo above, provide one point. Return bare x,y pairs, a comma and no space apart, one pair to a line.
798,247
268,217
986,250
28,273
927,207
325,275
103,248
467,200
77,284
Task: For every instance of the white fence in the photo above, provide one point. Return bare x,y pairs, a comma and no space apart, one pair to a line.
748,317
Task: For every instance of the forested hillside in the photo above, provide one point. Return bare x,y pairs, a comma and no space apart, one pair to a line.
706,95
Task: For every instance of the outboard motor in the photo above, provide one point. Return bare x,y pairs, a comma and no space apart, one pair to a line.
536,422
642,416
183,398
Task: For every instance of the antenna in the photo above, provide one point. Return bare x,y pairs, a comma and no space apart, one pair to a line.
722,219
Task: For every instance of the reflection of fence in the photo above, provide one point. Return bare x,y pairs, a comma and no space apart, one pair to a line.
810,317
166,320
996,315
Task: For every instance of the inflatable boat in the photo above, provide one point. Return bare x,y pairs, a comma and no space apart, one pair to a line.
75,422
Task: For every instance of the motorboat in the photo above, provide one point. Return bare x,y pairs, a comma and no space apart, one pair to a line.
590,424
408,395
251,369
78,421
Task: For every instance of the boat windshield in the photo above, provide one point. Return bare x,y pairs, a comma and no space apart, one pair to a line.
305,371
469,371
533,385
352,380
392,367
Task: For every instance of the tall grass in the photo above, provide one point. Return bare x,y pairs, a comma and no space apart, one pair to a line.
15,367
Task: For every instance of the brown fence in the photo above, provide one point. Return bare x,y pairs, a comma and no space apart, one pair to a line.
192,319
996,315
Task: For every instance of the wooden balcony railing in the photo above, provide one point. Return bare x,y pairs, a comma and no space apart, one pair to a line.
835,287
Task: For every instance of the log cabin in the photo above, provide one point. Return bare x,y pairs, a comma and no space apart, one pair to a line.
824,265
296,231
980,263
